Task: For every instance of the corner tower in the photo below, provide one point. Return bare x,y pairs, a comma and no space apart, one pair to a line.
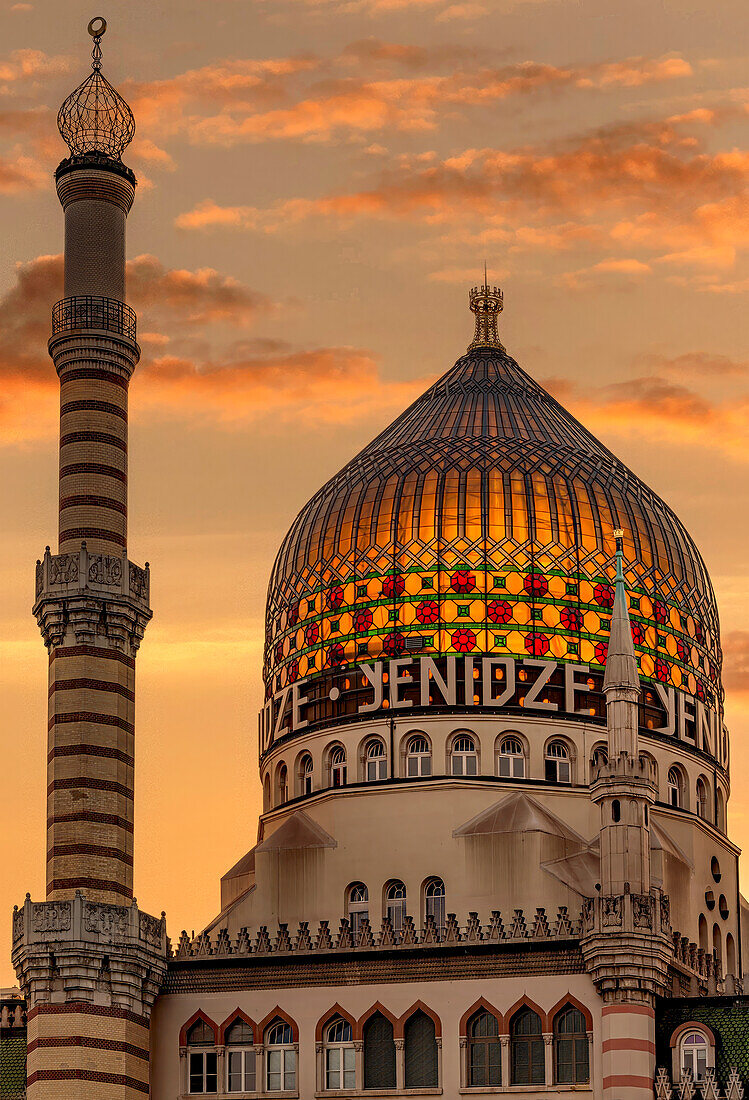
89,963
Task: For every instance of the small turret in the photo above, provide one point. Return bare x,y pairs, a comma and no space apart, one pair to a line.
486,303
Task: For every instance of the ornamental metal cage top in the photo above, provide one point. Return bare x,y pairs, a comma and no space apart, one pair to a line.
95,118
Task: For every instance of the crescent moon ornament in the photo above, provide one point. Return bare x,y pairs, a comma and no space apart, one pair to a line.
97,26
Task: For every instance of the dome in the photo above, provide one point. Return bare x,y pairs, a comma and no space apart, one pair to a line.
481,522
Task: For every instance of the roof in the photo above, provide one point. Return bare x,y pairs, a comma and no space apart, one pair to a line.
518,813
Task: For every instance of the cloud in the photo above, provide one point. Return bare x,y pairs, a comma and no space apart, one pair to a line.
199,297
625,270
703,364
28,67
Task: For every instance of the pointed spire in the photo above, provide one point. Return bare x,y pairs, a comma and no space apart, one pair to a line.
486,303
621,663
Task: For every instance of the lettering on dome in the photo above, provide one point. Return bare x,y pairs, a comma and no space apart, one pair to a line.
408,684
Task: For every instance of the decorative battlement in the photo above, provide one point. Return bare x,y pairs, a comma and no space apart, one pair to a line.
707,1088
486,303
72,590
537,928
89,311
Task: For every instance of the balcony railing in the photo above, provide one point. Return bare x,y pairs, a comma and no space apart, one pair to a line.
92,312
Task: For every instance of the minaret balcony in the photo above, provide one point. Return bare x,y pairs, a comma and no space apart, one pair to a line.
91,312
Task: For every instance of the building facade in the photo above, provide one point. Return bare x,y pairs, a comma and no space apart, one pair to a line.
493,854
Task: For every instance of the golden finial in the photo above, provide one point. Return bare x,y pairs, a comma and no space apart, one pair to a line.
486,303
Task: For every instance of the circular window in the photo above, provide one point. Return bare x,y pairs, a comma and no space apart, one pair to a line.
710,899
715,869
723,906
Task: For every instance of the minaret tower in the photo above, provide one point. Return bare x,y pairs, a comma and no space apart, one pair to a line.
88,961
626,928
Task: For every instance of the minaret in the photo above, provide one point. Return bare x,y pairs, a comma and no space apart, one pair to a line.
626,928
88,961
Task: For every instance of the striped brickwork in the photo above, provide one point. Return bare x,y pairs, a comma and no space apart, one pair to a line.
628,1051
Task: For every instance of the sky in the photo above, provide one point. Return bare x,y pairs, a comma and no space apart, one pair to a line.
320,182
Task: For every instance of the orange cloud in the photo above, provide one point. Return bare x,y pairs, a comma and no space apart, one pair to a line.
26,66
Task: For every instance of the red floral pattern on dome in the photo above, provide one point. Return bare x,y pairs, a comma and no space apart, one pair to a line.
335,654
394,643
428,612
335,598
312,634
394,585
603,594
661,612
701,693
682,650
601,652
463,581
279,652
571,618
638,633
536,584
699,632
293,671
463,640
293,613
713,673
363,619
537,644
499,611
662,670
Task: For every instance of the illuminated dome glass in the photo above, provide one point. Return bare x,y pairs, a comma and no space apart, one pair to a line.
481,522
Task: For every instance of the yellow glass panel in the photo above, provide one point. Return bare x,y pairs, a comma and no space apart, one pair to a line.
473,505
404,529
542,508
450,506
428,510
565,515
496,524
519,508
385,516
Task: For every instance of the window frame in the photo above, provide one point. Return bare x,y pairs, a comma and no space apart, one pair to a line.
529,1040
337,766
306,774
380,760
675,788
394,904
422,758
464,755
558,761
357,910
435,903
341,1047
284,1048
579,1066
511,757
203,1050
484,1043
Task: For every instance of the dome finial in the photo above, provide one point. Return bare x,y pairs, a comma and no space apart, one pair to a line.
486,303
95,118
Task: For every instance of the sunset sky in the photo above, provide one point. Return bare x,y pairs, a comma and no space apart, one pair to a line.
320,182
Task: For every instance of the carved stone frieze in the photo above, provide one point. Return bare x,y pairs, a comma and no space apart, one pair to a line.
611,911
107,920
51,916
642,910
105,569
63,568
150,929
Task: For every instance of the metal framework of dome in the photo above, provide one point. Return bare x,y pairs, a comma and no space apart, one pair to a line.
95,118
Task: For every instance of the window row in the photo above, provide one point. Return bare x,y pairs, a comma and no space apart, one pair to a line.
394,903
381,1052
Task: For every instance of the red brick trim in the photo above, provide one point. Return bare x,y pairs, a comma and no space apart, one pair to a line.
77,534
93,406
93,717
279,1014
568,999
692,1025
98,374
103,850
526,1002
628,1044
84,1008
85,683
93,500
94,468
92,651
237,1014
480,1005
376,1007
331,1014
88,1041
417,1006
91,816
638,1010
109,886
88,1075
91,750
88,783
628,1081
199,1015
94,437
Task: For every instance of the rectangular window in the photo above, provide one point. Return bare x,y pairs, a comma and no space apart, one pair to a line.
203,1071
241,1071
281,1075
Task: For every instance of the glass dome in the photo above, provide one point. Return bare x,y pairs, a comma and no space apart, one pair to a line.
481,522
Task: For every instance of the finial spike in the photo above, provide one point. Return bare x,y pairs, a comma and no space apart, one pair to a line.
486,303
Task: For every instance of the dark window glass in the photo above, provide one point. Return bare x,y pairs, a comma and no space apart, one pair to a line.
484,1051
420,1052
570,1048
379,1053
526,1048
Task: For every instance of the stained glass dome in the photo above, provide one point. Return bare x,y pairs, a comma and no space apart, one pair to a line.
482,521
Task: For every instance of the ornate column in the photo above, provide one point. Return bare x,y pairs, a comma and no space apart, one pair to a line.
400,1064
88,961
549,1058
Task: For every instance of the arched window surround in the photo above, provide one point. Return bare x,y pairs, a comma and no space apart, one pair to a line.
356,909
199,1015
681,788
702,798
414,766
278,1014
676,1042
459,756
411,1060
336,765
246,1066
430,901
305,776
418,1006
515,764
282,783
390,904
376,1008
201,1063
237,1014
478,1007
266,794
526,1004
561,1006
327,1018
570,749
366,760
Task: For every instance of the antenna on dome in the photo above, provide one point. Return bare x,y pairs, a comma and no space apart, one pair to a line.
486,303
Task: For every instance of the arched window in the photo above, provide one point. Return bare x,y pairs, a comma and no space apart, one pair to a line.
571,1057
418,756
280,1058
675,788
306,774
357,904
484,1050
557,762
465,759
718,948
511,762
526,1048
702,810
599,757
201,1058
266,794
420,1051
379,1053
240,1057
376,762
338,766
395,904
702,932
720,803
730,955
693,1049
340,1060
434,901
283,784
